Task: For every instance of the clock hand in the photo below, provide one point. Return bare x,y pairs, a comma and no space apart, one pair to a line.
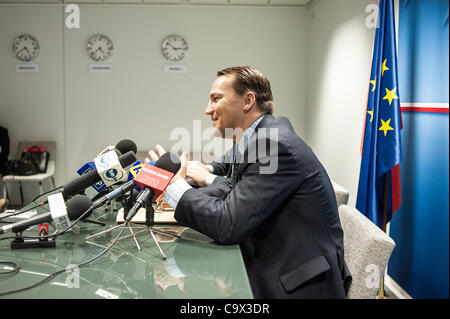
24,49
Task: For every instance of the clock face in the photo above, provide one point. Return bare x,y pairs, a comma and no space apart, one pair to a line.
26,47
174,48
99,47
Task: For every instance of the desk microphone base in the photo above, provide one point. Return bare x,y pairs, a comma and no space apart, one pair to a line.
20,243
133,235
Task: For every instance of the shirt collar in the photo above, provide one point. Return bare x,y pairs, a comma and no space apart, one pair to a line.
243,142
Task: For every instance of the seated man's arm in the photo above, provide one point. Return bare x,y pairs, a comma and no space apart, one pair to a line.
232,217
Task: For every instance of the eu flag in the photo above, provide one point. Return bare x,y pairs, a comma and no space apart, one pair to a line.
381,150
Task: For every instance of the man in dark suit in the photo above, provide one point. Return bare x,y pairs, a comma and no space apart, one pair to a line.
279,204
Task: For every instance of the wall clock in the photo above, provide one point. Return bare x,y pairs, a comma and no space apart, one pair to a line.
26,47
99,47
174,48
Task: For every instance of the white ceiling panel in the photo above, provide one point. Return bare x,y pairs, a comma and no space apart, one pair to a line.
83,1
164,1
208,1
30,1
248,1
120,1
212,2
290,2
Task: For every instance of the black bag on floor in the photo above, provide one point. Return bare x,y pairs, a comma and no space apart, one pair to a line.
33,161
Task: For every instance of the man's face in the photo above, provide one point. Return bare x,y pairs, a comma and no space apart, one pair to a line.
225,107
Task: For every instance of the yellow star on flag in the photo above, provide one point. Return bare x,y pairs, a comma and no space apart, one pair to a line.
371,115
384,67
390,95
374,83
385,126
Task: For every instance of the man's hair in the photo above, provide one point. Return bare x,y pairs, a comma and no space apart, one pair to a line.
248,79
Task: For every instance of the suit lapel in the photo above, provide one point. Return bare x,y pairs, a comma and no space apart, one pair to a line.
240,158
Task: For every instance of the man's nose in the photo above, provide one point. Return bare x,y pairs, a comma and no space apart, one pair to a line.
209,109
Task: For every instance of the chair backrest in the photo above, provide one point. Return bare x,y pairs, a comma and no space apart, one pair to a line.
341,193
49,147
367,250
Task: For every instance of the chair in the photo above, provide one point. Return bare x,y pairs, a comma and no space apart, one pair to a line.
367,250
341,193
39,178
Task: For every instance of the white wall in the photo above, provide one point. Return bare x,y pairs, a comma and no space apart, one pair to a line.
84,112
145,103
340,50
32,104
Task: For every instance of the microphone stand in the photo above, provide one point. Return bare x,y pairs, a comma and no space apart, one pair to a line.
127,203
87,220
91,221
20,243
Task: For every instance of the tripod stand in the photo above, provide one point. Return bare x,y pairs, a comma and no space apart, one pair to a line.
149,222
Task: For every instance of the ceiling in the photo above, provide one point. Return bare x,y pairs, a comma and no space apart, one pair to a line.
300,3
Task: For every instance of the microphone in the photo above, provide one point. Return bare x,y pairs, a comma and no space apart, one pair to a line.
76,206
126,145
122,147
88,167
79,184
113,194
153,180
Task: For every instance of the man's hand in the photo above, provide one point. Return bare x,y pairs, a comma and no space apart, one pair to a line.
153,155
182,173
198,172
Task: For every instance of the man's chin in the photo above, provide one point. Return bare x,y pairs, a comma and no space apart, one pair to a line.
217,132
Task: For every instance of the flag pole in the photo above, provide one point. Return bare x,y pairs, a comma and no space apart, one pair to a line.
381,294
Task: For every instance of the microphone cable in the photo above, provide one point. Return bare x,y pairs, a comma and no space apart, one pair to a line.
24,211
62,270
35,206
56,233
14,269
48,192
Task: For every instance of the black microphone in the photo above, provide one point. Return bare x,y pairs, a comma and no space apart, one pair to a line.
76,206
126,145
82,182
122,147
113,194
169,162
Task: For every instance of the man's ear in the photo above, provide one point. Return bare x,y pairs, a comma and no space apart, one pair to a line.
249,101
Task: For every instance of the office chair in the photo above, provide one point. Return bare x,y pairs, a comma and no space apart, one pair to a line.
367,250
37,178
341,193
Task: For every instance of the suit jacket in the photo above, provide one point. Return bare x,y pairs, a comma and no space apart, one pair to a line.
222,166
286,222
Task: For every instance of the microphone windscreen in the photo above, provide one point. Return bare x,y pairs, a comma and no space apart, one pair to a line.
170,162
77,205
125,146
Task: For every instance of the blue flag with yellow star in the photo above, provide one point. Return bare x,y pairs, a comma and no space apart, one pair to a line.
381,149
